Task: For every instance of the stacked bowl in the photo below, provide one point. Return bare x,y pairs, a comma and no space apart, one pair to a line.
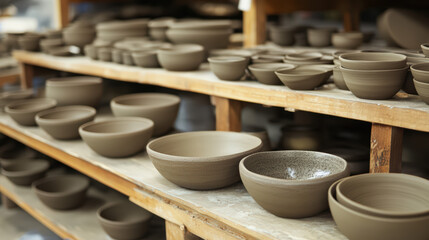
79,34
420,73
381,206
119,30
374,75
308,58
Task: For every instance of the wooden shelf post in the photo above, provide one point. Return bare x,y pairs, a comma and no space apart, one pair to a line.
228,114
178,232
27,75
254,24
386,148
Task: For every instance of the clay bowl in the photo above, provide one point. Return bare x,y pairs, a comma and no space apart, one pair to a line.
337,54
76,36
64,51
202,160
91,51
29,43
158,28
425,49
291,184
16,154
117,137
372,227
127,58
63,122
201,25
328,68
306,56
182,57
161,108
347,40
23,112
264,72
209,39
228,68
146,59
420,72
374,84
282,35
62,192
47,44
373,61
301,79
104,54
423,90
266,58
320,37
9,97
338,79
232,52
117,55
124,220
80,90
24,173
301,137
385,195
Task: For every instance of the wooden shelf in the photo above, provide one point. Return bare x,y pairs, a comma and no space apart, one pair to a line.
228,213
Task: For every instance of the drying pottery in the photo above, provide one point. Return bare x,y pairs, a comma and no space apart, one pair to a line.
305,56
127,58
25,172
47,44
338,79
63,122
9,97
264,72
209,39
161,108
23,112
328,68
201,160
201,25
337,54
79,37
119,30
347,40
266,58
146,59
232,52
182,57
158,28
357,157
228,68
408,86
301,137
425,49
282,35
324,60
291,184
117,55
372,227
423,90
29,43
62,192
320,37
117,137
91,51
124,220
374,84
385,195
64,51
373,61
420,72
301,79
54,34
104,54
16,154
80,90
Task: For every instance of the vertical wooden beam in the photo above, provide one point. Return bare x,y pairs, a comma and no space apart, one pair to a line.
27,75
7,203
386,148
254,24
174,231
62,13
351,20
228,114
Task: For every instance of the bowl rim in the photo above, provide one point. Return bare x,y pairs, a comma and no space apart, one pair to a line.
43,166
107,206
417,82
91,112
316,72
254,67
414,69
227,59
73,81
399,57
311,56
188,48
84,180
46,104
149,124
373,70
172,100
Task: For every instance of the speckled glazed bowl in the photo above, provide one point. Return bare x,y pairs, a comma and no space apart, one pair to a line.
182,57
420,72
301,79
124,220
265,72
228,67
292,184
25,172
202,160
23,112
373,61
64,122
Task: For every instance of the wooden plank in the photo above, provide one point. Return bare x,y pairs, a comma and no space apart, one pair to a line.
351,20
27,75
174,231
228,114
62,13
9,76
386,149
254,24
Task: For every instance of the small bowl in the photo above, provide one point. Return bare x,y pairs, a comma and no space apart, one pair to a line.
385,195
47,44
374,84
373,61
228,68
104,54
425,49
266,58
29,43
201,160
291,184
13,154
182,57
347,40
232,52
282,35
320,37
422,90
301,79
64,122
375,228
264,72
161,108
23,112
62,192
124,220
76,36
80,90
146,59
91,51
306,56
209,39
117,137
338,79
127,58
117,56
9,97
301,137
420,72
24,173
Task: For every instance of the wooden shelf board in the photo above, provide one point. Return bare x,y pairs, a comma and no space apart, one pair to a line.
225,213
326,100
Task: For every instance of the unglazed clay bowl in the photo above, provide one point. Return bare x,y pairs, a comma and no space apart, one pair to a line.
291,184
338,79
420,72
328,68
425,49
63,192
16,154
265,72
117,137
124,220
23,112
301,137
209,39
373,61
266,58
64,122
79,37
161,108
81,90
127,58
9,97
228,68
47,44
374,84
372,227
305,56
423,90
202,160
347,40
320,37
29,43
385,195
146,59
158,28
117,55
182,57
104,54
91,51
25,172
301,79
232,52
282,35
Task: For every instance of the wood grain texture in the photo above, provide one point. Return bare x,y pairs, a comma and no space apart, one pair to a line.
254,24
386,149
62,13
27,75
174,231
228,114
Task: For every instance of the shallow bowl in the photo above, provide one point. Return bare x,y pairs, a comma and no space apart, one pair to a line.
422,89
306,56
373,61
228,67
182,57
420,72
146,59
23,112
265,72
9,97
25,172
301,79
16,153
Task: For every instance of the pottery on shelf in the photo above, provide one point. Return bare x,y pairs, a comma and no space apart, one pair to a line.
357,157
301,79
64,122
63,192
282,35
291,184
158,28
78,36
9,97
338,79
231,52
305,56
265,72
228,68
80,90
119,30
161,108
347,40
422,89
104,54
266,58
48,44
301,137
16,153
425,49
117,56
127,58
30,42
64,51
117,137
320,37
146,59
25,172
91,51
182,57
23,112
124,220
209,39
202,160
373,61
420,72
